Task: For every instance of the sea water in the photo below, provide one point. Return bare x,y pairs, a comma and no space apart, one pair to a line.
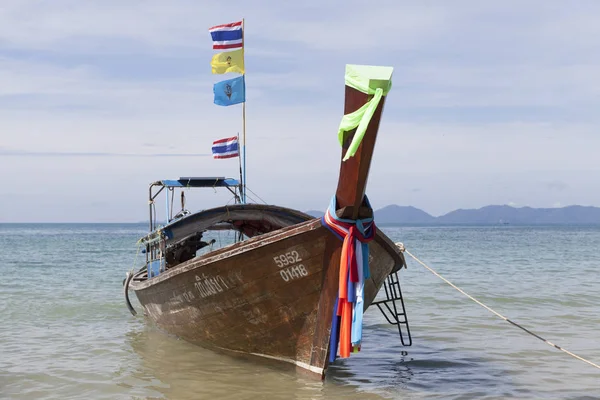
65,332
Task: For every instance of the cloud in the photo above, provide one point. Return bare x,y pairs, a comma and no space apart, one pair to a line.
24,153
155,25
557,185
489,100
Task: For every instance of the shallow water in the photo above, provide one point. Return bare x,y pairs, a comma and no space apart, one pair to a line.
66,333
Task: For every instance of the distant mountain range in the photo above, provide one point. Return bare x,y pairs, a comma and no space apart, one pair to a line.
489,215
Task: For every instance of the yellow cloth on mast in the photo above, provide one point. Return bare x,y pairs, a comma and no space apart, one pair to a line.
229,61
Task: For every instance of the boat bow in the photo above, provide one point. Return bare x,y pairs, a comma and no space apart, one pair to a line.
350,216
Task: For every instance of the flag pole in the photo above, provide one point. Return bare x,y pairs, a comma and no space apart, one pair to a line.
244,151
244,115
241,177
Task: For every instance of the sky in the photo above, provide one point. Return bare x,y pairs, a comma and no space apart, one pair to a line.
492,103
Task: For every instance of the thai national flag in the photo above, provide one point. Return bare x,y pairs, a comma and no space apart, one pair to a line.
226,148
227,36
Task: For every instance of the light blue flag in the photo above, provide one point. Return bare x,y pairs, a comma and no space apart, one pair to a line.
230,92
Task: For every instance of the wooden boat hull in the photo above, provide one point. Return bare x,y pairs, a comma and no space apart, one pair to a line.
269,296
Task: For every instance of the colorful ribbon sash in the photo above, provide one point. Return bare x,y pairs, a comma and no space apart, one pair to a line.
346,327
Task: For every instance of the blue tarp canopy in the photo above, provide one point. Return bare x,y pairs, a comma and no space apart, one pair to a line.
200,182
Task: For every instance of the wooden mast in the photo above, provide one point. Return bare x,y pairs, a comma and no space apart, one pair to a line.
354,172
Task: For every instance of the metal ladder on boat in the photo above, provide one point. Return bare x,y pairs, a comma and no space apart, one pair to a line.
393,308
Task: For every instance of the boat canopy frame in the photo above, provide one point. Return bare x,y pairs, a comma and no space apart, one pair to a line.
233,185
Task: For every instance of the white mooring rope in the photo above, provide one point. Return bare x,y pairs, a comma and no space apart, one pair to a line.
403,249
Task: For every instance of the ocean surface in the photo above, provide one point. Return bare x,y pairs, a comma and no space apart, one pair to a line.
65,332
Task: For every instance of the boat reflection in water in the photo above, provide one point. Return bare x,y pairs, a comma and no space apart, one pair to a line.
174,369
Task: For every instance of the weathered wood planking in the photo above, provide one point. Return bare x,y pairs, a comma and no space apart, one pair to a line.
244,303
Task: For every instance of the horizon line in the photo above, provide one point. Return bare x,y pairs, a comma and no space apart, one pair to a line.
322,212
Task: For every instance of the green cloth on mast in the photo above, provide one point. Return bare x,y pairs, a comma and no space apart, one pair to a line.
376,81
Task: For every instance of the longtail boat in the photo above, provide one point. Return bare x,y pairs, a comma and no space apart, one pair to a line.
292,288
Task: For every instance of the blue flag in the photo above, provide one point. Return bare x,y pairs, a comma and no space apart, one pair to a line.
230,92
